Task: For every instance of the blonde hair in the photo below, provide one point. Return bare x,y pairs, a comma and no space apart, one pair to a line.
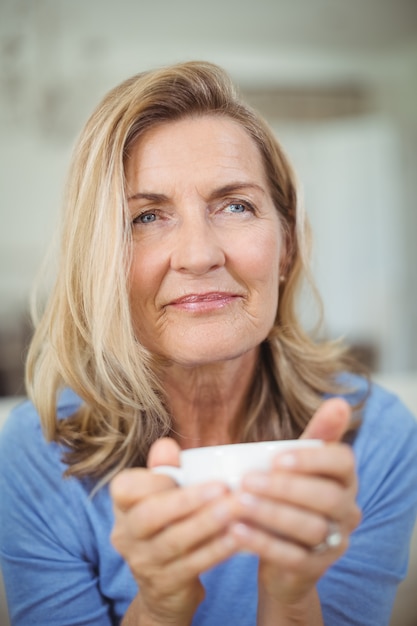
85,338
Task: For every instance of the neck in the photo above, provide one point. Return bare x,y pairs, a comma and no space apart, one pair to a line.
207,403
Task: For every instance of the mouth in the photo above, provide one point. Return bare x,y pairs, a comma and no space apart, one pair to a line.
202,302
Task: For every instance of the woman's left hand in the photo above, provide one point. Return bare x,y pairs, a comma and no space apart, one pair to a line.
298,517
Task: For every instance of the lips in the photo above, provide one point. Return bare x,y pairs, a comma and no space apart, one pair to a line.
204,303
204,297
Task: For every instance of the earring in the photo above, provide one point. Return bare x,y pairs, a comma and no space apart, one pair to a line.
282,278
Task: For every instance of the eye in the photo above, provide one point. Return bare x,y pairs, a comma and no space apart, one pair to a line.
236,207
145,218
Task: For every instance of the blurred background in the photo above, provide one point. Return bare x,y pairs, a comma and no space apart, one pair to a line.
337,79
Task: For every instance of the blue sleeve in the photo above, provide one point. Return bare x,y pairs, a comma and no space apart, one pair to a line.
46,549
360,588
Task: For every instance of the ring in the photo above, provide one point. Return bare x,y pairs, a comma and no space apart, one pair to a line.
333,539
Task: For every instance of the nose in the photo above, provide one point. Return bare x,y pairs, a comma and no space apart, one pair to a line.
197,248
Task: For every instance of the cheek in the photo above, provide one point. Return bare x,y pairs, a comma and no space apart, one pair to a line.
144,277
261,256
143,290
263,264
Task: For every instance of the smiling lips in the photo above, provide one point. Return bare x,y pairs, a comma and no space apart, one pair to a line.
203,302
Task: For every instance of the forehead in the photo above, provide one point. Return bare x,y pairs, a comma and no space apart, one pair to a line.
198,146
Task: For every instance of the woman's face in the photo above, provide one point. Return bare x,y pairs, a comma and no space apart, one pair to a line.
207,241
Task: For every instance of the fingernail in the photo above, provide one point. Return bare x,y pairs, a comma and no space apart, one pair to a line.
241,530
229,542
221,512
248,500
286,460
211,492
257,482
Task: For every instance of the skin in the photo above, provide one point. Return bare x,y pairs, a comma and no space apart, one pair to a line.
204,291
213,233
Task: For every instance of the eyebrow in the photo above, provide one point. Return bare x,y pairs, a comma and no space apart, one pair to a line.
216,193
235,186
153,197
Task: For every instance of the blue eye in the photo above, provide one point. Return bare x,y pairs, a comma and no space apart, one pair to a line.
145,218
236,207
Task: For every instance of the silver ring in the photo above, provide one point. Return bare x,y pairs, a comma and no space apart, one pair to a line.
333,539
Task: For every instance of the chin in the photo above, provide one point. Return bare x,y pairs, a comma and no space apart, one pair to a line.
198,345
195,354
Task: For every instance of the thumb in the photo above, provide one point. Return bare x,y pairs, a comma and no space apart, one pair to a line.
164,451
330,421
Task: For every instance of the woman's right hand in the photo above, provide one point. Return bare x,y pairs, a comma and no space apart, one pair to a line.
169,536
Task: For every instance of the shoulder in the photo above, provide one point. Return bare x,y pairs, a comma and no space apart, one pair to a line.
382,410
385,449
384,416
22,439
385,445
33,488
51,524
29,464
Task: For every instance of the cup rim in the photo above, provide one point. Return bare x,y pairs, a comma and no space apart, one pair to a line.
275,443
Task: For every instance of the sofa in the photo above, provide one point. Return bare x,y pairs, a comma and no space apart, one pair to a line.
405,608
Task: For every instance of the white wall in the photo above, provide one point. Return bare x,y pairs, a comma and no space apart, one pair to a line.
351,174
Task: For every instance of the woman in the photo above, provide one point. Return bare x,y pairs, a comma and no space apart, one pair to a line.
172,324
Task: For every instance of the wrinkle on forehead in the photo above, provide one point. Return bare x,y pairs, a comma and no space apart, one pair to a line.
158,158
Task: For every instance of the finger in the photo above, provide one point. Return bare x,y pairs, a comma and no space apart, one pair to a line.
187,534
208,555
164,451
330,421
334,460
295,524
138,533
163,510
316,494
132,485
275,549
178,572
320,496
174,541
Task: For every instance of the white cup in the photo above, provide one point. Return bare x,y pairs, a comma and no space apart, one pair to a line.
229,463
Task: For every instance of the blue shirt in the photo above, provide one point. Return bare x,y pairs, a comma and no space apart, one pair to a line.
60,569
